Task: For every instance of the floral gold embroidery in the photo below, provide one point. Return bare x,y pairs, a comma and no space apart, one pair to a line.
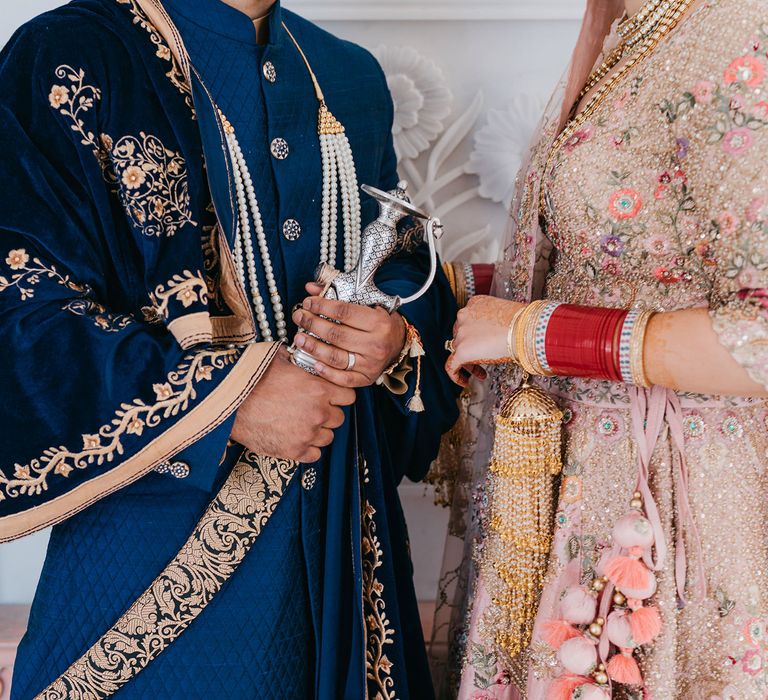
73,101
150,178
163,51
101,317
187,288
27,276
220,542
380,631
210,242
153,184
105,445
211,261
17,259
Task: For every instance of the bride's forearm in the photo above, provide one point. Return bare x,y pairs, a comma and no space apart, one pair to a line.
678,350
683,352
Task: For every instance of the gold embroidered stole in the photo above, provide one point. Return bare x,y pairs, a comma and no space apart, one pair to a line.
219,544
379,630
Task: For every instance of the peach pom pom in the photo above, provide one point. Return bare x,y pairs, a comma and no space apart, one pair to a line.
633,530
562,688
622,668
641,593
645,624
578,656
627,572
619,630
578,605
556,632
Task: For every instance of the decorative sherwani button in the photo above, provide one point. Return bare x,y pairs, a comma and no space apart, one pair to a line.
280,149
269,71
178,469
309,479
291,229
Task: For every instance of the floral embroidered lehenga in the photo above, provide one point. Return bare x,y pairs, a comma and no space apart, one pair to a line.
659,201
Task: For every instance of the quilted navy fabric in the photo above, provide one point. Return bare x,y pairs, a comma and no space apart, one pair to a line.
292,621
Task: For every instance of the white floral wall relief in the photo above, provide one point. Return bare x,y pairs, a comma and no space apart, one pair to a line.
454,157
421,96
502,144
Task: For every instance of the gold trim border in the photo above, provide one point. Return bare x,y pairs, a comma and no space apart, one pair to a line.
221,540
192,329
200,421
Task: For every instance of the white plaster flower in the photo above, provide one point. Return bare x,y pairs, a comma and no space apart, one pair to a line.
421,96
501,146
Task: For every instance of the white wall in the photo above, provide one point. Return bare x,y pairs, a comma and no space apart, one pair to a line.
488,66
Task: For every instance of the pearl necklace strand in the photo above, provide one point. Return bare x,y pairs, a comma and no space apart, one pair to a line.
339,176
245,258
338,172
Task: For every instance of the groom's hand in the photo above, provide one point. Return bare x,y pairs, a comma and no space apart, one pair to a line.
374,336
290,414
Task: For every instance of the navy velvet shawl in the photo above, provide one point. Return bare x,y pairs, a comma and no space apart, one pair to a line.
128,341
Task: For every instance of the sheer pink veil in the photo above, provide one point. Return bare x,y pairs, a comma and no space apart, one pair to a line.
524,243
596,26
519,275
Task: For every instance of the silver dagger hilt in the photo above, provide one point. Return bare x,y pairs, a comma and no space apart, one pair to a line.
378,242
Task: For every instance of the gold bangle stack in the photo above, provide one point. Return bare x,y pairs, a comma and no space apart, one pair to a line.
457,278
512,335
637,350
522,339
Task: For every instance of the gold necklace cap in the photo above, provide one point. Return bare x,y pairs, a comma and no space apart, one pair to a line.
328,124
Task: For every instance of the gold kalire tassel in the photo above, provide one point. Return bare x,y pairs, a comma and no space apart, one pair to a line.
526,462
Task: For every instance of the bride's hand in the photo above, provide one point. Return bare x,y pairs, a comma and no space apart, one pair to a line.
480,337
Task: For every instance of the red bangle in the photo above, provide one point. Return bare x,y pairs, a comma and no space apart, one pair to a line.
483,275
583,341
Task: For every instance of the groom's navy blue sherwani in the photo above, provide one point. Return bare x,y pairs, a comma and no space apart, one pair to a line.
128,344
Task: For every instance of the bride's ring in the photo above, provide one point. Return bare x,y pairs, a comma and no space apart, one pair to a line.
351,362
449,346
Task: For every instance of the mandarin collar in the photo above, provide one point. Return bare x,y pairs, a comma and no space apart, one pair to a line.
218,17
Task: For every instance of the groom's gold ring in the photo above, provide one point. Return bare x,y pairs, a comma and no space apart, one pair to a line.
449,346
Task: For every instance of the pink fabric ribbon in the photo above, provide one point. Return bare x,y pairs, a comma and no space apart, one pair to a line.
651,408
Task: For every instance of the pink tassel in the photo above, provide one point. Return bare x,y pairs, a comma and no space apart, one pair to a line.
556,632
645,624
562,688
623,668
627,572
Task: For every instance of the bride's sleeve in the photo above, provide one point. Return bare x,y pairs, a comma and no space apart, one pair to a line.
735,240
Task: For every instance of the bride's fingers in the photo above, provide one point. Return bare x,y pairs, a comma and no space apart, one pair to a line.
451,371
459,366
457,373
478,372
